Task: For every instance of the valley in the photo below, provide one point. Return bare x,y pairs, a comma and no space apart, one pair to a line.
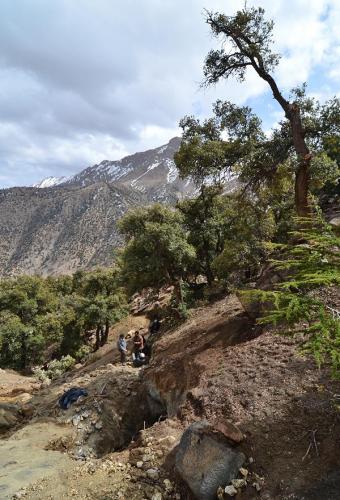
61,227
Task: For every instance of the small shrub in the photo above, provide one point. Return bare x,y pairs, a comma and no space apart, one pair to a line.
83,353
55,369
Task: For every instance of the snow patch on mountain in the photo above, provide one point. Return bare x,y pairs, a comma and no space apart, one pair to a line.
172,171
50,182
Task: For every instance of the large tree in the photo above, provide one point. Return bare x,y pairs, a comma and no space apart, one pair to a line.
157,251
99,301
250,45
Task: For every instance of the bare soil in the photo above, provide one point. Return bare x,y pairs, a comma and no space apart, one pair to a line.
287,409
216,366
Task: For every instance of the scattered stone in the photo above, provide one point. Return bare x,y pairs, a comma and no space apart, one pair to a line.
76,420
157,496
205,460
258,483
244,472
230,490
257,486
20,494
152,474
335,222
9,416
98,426
23,398
27,410
229,430
220,493
239,483
168,486
139,464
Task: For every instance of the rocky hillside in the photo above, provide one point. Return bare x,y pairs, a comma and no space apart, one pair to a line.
223,410
59,230
59,226
152,172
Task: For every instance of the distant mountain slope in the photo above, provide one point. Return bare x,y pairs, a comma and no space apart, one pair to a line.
151,172
144,172
61,225
60,230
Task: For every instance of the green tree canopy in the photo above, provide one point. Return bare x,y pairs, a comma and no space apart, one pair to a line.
308,128
157,250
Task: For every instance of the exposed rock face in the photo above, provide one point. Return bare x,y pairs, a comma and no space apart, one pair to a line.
335,222
60,226
59,230
206,461
9,416
152,173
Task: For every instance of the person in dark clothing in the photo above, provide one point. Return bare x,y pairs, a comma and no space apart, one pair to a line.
140,360
138,344
154,325
122,348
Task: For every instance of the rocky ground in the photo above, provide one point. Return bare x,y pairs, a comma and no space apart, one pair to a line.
260,399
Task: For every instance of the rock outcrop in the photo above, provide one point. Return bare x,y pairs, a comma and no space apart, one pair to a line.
205,460
9,416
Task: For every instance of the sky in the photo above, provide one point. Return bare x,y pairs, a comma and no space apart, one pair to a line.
86,80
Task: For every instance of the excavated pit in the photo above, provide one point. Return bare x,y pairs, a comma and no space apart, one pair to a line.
118,406
122,424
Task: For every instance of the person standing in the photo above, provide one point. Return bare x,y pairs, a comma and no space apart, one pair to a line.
122,348
138,344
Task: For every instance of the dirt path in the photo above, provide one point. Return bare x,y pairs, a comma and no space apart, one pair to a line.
24,458
66,454
13,383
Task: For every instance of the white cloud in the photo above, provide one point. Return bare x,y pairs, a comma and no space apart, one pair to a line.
85,81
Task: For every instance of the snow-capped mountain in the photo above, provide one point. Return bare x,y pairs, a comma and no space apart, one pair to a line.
50,181
152,173
70,224
61,225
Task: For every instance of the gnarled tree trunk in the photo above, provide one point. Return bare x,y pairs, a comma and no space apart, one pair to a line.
304,157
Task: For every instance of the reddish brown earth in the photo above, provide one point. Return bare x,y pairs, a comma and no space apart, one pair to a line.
217,367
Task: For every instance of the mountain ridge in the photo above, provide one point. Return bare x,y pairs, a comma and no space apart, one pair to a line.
59,227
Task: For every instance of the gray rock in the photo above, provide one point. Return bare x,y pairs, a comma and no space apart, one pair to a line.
335,222
230,490
157,496
152,474
76,420
205,460
9,416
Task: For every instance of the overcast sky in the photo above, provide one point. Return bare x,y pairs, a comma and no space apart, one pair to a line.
87,80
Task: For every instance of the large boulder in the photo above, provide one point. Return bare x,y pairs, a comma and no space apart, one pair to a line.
9,416
205,460
335,222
